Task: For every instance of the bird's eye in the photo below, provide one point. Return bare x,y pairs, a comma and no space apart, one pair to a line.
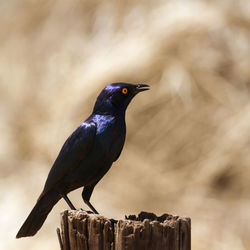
124,91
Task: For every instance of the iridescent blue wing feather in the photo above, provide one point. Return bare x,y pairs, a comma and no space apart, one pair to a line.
76,147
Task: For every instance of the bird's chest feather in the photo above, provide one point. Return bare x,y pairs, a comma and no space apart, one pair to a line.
110,137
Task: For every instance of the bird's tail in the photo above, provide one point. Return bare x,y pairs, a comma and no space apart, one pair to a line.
38,214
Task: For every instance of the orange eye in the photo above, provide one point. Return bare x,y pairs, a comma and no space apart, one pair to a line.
124,91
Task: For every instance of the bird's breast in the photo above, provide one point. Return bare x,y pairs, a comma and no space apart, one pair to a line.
110,137
107,146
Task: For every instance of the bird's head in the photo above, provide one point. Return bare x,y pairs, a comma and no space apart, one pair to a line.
116,97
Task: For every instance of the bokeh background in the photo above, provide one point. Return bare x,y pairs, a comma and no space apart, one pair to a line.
188,138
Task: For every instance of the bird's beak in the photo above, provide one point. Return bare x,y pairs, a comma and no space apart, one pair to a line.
142,87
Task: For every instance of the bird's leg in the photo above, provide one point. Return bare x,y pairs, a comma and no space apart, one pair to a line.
86,193
91,207
65,197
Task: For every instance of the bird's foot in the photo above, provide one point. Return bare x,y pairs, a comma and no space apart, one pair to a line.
87,211
113,221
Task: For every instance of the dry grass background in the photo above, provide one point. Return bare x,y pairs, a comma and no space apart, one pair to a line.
188,140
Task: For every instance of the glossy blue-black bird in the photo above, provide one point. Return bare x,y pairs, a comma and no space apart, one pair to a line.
87,154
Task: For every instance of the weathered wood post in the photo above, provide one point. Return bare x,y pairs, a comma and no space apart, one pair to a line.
80,230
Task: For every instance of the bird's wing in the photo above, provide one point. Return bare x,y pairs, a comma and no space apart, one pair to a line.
76,147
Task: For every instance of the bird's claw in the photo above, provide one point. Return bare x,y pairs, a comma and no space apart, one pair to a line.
113,221
87,211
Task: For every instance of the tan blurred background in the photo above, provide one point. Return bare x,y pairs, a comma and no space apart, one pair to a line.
188,138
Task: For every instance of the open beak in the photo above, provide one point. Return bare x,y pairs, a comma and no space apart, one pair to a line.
142,87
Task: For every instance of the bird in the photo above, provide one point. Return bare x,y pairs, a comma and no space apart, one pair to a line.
86,155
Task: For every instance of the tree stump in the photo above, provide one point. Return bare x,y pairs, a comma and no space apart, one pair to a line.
81,230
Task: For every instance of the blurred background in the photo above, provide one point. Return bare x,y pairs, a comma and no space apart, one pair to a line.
188,138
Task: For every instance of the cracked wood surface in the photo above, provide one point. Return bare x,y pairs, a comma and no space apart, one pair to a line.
81,230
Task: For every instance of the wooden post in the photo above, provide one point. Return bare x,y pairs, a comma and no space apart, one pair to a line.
80,230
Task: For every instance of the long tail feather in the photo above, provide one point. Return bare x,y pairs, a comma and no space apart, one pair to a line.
38,214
